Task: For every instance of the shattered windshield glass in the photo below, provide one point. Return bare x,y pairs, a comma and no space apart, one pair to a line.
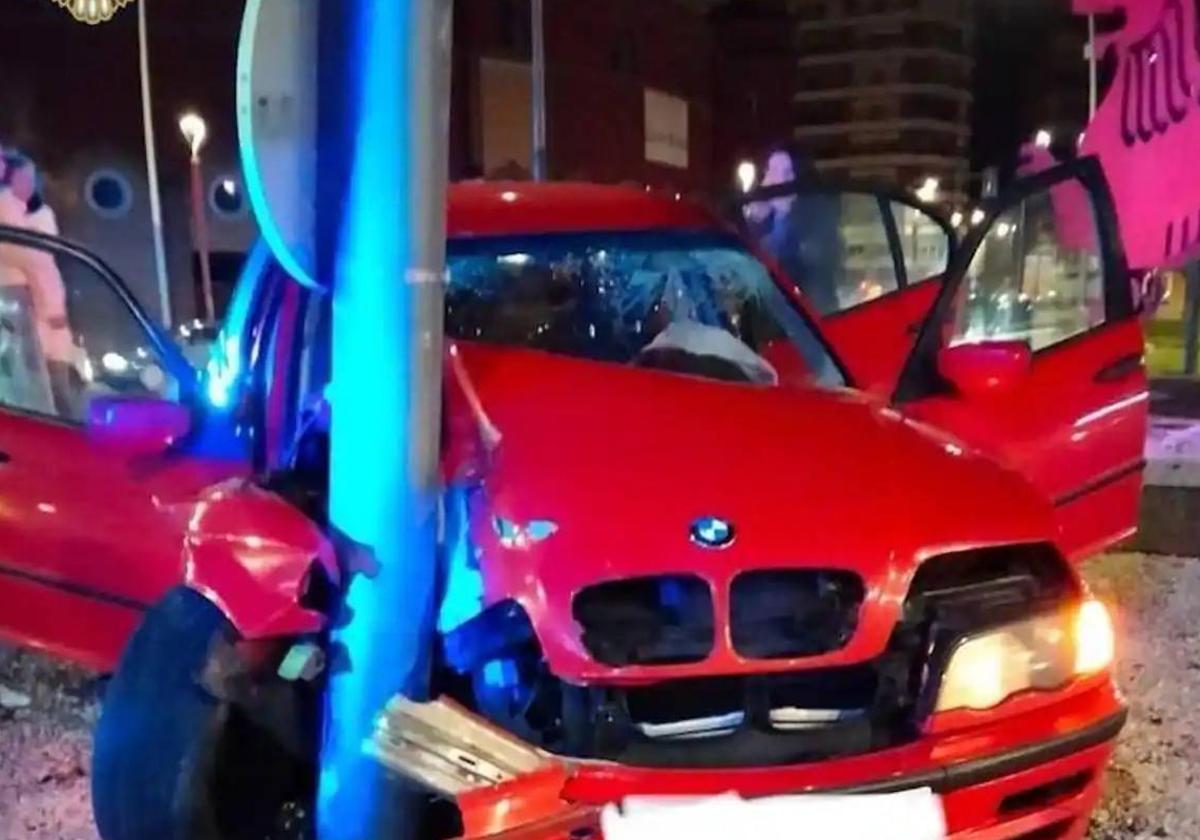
695,303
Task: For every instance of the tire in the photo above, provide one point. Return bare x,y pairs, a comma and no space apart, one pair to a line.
173,762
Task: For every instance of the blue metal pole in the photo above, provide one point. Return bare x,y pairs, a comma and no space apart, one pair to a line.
386,259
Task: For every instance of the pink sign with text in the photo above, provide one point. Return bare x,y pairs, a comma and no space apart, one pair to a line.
1146,131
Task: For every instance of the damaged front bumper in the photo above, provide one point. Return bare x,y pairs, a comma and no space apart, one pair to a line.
1035,774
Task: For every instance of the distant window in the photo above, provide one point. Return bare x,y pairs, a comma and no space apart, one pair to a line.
225,196
108,193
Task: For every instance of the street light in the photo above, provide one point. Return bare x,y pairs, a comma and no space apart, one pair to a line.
956,218
747,174
1043,139
928,192
977,216
195,133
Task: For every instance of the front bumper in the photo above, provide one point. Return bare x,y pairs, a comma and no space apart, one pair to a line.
1036,774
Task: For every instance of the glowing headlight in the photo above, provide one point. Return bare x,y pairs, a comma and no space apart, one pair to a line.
1041,653
1095,640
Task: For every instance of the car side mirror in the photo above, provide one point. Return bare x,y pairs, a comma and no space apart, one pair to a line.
136,426
987,368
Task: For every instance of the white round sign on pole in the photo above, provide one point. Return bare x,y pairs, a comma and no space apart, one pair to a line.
277,127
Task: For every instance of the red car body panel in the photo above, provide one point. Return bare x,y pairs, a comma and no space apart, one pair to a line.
498,208
619,442
874,338
1075,426
91,537
972,810
250,553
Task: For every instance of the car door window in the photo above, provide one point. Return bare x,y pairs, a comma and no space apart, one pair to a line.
1036,277
924,242
67,335
835,246
870,271
847,246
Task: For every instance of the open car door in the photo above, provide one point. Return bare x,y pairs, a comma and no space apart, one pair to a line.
1033,353
868,259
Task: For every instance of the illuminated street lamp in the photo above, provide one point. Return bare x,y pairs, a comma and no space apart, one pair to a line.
977,216
928,192
747,174
1043,139
956,219
195,133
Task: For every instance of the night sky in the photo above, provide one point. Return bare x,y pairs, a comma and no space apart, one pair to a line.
1029,73
1029,68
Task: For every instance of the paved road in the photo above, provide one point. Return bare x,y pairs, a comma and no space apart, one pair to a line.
1153,788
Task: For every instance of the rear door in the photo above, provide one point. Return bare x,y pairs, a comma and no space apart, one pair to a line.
1033,353
89,537
868,259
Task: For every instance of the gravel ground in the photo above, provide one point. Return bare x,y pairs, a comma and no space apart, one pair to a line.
1153,789
44,749
1153,785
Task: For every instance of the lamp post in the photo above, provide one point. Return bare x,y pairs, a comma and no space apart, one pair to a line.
156,223
538,87
386,68
195,133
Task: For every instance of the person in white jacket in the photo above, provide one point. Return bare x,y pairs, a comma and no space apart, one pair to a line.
21,206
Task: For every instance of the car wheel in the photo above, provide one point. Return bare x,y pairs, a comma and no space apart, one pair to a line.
171,761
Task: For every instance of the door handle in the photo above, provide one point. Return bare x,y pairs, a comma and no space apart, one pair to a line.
1119,369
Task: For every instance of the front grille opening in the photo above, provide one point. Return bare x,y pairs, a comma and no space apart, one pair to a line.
982,586
663,620
1046,795
782,614
736,721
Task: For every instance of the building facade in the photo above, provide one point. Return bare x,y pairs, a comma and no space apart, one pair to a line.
628,91
883,89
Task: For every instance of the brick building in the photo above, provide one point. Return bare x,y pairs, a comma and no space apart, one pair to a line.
666,93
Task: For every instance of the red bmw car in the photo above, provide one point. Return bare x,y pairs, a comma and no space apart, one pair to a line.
698,536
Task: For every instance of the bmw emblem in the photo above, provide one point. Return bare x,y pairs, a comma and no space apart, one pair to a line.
712,532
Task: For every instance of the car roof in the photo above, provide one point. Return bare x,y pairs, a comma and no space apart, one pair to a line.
512,208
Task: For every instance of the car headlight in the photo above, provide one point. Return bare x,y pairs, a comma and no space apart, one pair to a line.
1041,653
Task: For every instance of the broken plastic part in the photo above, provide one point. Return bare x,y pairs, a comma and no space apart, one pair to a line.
504,787
303,661
442,746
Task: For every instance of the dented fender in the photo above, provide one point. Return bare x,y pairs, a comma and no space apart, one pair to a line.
250,553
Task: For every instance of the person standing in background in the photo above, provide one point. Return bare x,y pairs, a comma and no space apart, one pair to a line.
801,231
22,206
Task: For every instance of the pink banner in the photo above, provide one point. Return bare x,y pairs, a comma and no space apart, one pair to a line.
1146,131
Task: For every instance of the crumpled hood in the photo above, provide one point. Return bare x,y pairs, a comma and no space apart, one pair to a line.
624,460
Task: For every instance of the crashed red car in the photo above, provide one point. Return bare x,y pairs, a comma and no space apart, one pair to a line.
698,537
